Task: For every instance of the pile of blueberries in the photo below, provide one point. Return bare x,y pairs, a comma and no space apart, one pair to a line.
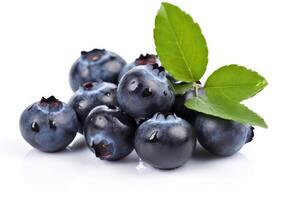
120,107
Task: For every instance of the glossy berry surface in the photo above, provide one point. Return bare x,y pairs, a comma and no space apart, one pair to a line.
49,125
141,60
96,65
92,94
165,142
109,132
144,90
220,136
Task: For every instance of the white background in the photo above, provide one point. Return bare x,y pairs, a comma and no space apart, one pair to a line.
39,41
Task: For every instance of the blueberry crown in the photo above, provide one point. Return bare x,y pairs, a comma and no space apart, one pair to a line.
165,116
91,85
250,135
88,85
50,102
146,59
93,55
159,70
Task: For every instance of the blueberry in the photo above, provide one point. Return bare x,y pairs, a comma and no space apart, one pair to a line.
109,132
180,109
49,125
165,142
144,90
141,60
95,65
220,136
92,94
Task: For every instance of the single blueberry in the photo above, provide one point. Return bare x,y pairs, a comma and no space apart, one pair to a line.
220,136
144,90
165,142
109,132
96,65
92,94
49,125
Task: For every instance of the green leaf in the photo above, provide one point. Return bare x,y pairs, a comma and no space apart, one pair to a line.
180,44
234,82
226,109
182,88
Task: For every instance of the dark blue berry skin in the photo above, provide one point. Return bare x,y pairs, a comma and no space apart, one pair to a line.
220,136
49,125
144,91
90,95
109,133
141,60
94,66
165,142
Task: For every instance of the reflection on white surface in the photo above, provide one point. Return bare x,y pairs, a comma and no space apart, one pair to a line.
52,172
64,172
56,172
141,166
233,167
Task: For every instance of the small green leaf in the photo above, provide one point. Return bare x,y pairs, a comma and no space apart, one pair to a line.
234,82
180,89
180,44
226,109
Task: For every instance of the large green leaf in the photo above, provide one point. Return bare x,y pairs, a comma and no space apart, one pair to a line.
234,82
180,44
226,109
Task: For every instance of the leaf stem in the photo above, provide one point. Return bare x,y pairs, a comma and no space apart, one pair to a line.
196,87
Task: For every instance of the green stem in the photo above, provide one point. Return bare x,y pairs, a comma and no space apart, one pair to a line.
196,86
